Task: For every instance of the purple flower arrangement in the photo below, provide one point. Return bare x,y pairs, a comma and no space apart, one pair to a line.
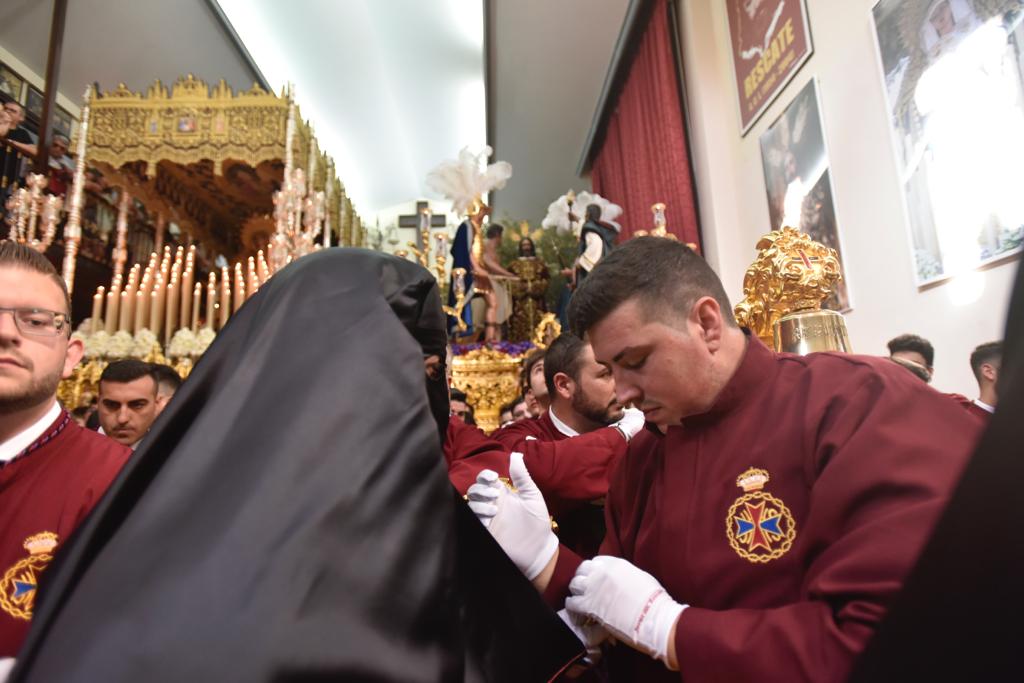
506,347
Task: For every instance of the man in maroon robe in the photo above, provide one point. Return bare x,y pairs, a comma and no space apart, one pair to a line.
765,534
573,445
52,471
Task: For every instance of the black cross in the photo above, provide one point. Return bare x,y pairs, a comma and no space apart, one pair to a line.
413,221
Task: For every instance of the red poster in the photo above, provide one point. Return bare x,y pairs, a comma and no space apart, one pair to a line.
770,42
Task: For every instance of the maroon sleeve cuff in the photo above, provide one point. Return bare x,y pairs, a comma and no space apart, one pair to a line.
565,568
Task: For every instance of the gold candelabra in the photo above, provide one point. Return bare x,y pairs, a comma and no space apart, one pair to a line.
32,214
459,283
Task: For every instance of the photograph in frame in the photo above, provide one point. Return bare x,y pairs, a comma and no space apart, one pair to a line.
11,84
770,41
34,103
798,180
954,90
63,122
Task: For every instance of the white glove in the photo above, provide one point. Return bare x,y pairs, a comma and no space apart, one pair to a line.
631,422
590,633
627,601
6,665
518,520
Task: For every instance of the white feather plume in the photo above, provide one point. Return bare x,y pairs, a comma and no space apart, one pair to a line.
468,178
558,212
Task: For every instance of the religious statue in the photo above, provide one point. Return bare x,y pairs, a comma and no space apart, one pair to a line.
528,292
562,216
465,181
597,238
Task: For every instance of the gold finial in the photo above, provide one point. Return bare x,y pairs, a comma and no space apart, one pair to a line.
791,273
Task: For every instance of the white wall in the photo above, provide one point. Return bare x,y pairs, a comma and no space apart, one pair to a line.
868,197
34,79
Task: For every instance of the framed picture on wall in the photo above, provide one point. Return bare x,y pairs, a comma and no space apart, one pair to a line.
62,122
34,103
799,182
11,84
952,71
771,40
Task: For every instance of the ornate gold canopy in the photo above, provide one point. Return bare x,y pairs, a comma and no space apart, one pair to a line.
211,159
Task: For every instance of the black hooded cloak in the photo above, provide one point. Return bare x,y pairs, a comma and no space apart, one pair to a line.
289,518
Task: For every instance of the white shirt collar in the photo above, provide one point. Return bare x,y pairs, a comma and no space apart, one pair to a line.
559,425
22,440
984,406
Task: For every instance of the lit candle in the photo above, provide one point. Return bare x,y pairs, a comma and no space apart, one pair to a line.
211,300
239,297
113,299
251,283
97,310
225,297
197,296
154,308
171,310
122,319
142,302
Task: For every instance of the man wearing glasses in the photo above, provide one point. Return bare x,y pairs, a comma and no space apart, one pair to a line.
52,471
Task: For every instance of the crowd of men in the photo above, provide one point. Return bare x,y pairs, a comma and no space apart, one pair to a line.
665,480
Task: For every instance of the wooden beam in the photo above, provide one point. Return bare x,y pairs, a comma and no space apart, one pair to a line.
60,10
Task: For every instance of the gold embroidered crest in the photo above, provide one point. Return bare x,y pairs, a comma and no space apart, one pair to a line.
759,526
18,586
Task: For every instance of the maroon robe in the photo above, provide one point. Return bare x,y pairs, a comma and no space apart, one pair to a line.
45,492
787,577
972,408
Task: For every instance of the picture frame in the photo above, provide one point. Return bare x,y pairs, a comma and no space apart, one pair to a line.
770,41
34,102
11,84
953,77
799,183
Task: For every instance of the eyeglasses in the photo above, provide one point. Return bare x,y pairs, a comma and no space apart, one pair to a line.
38,322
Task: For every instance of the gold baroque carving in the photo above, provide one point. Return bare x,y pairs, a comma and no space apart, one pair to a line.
791,273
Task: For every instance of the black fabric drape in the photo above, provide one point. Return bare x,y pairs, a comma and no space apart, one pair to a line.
289,517
959,614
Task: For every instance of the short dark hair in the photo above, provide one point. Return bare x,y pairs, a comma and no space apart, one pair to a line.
660,272
536,356
990,353
494,230
458,395
563,356
166,377
912,342
15,255
127,370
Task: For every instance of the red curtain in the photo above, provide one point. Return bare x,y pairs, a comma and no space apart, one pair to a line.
645,157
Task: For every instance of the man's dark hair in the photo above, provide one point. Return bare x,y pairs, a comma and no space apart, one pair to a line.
167,378
912,342
15,255
535,357
458,395
494,230
563,356
990,353
593,212
660,273
128,370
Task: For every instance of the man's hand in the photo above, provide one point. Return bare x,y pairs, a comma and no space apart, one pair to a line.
631,422
518,520
627,601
